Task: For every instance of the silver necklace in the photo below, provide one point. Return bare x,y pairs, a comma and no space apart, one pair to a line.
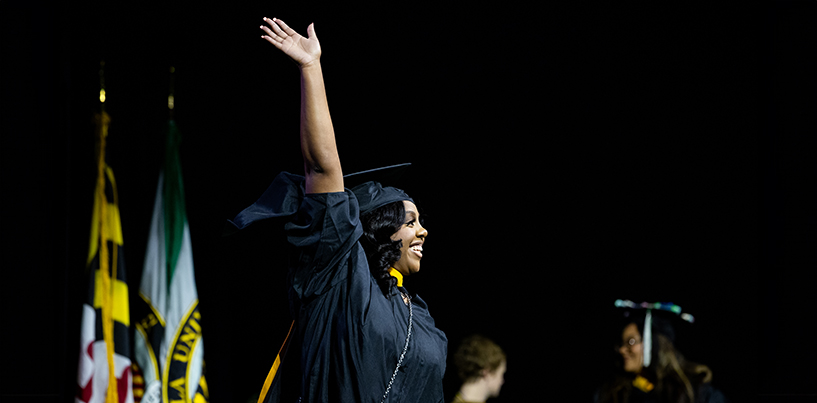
407,298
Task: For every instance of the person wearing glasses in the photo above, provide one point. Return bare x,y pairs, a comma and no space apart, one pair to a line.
650,368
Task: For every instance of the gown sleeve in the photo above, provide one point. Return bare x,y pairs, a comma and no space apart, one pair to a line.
323,233
321,227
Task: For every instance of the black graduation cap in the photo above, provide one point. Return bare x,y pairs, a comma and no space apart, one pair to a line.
662,322
283,196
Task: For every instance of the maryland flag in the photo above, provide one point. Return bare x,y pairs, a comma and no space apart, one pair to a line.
168,346
104,367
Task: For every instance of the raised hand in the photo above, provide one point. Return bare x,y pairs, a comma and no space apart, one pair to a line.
304,51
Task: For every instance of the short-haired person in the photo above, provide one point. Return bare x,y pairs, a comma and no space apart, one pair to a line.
481,366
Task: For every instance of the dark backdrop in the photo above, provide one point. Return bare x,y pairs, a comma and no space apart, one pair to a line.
566,156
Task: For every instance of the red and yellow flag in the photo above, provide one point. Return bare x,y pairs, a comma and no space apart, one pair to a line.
104,364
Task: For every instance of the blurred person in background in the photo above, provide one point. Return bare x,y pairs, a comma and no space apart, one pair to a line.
480,365
651,369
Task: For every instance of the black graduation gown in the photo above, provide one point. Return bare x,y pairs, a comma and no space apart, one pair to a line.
351,335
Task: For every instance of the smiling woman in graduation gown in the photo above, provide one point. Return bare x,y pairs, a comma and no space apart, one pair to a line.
360,341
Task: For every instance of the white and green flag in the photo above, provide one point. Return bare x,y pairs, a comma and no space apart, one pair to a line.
168,347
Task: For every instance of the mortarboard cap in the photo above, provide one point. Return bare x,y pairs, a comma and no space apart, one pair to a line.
658,318
282,197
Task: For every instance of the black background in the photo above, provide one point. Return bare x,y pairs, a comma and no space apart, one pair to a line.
565,156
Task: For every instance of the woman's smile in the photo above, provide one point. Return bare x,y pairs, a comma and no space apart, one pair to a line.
412,236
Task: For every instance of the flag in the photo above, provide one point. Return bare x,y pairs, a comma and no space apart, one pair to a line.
168,339
104,373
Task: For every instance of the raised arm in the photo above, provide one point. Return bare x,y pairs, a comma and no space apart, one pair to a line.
321,161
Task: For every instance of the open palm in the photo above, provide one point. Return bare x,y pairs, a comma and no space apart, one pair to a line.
302,50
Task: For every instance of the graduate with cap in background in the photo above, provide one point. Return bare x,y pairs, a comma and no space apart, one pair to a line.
360,335
652,370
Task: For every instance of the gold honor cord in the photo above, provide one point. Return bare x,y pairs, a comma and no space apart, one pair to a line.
275,365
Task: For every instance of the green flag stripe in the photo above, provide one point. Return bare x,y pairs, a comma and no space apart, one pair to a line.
173,199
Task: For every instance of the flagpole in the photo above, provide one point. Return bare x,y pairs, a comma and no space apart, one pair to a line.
103,120
106,310
102,86
169,339
171,98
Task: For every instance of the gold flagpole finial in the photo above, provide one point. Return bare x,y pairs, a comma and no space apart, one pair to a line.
102,84
171,99
101,119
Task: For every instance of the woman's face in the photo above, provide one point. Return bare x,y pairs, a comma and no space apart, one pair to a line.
631,349
496,379
413,235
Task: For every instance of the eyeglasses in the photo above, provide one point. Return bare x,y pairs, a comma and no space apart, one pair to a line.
628,344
